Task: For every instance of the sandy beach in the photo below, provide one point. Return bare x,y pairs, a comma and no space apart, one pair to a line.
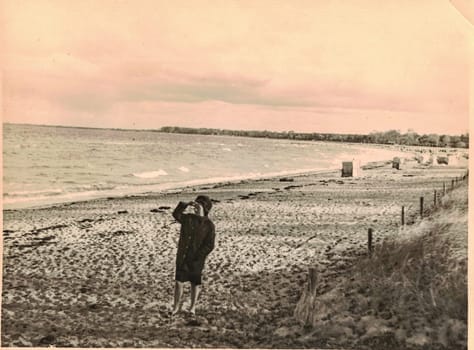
100,273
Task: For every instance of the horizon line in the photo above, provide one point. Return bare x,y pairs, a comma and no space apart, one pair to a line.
196,128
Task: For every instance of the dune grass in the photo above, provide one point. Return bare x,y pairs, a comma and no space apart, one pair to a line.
412,291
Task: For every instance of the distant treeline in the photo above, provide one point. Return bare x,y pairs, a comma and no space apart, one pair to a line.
393,137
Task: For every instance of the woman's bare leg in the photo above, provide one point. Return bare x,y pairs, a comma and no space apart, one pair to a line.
178,293
195,290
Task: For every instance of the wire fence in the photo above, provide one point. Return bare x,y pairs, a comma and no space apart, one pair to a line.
426,206
408,216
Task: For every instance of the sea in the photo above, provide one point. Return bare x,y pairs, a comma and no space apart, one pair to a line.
45,165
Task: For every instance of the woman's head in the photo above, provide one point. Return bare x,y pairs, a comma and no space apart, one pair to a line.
205,202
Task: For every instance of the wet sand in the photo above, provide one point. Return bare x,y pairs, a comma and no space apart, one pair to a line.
100,273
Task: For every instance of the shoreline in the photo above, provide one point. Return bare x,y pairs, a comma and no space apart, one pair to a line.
177,186
199,185
381,152
47,195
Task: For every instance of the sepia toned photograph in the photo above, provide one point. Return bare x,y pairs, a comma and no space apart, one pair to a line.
235,174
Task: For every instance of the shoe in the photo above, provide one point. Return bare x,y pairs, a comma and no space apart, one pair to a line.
174,312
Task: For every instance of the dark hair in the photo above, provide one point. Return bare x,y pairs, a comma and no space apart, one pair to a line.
206,203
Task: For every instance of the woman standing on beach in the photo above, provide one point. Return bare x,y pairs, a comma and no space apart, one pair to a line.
196,241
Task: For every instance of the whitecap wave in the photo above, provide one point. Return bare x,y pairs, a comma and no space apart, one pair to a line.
227,149
184,169
151,174
45,192
102,186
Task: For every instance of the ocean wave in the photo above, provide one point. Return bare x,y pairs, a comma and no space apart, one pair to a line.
41,199
127,143
227,149
25,199
34,193
49,192
75,166
184,169
92,187
40,167
151,174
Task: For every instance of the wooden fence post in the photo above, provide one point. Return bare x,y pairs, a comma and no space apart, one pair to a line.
421,207
435,195
312,274
369,246
444,188
452,184
403,215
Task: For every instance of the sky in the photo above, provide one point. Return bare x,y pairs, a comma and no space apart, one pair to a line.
308,66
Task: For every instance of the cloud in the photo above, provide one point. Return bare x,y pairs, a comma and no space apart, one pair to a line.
82,59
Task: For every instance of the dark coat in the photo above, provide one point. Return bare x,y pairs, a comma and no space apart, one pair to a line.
196,240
